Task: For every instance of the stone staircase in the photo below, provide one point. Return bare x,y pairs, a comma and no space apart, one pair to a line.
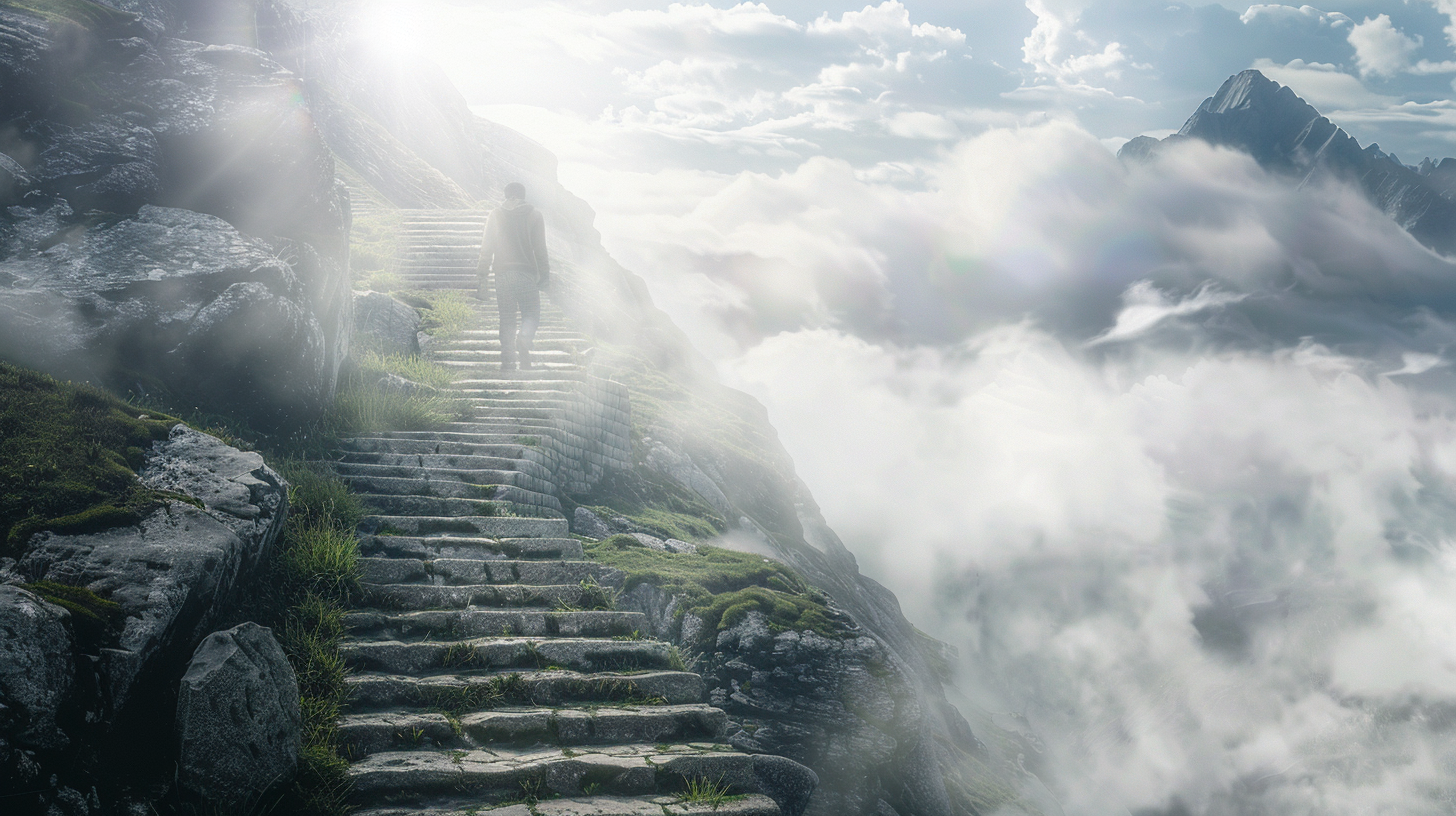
489,672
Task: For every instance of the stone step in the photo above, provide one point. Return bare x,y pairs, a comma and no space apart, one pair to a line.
499,653
493,355
364,734
364,462
627,770
407,505
463,437
480,369
519,429
507,471
427,446
486,526
497,485
429,596
561,343
457,571
469,623
492,410
541,333
478,691
440,286
556,390
468,548
667,805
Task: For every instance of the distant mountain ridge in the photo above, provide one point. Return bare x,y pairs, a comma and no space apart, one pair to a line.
1287,135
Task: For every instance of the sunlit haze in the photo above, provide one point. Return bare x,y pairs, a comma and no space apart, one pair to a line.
1166,450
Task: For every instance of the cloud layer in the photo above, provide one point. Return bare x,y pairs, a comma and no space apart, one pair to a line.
1182,494
1167,450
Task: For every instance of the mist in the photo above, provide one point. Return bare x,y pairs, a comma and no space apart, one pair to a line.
1165,450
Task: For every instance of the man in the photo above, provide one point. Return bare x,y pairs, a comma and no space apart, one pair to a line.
515,250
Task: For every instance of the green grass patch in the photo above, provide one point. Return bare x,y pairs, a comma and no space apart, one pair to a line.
363,405
722,586
444,314
316,574
657,504
415,369
68,457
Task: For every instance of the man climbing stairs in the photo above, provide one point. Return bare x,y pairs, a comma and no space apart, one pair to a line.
490,672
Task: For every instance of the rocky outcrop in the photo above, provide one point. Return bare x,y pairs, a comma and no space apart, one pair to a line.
238,720
174,573
1287,135
169,578
108,122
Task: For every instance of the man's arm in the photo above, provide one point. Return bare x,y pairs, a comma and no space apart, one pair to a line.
538,246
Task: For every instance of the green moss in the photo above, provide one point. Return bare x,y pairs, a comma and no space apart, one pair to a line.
94,620
723,586
654,503
68,455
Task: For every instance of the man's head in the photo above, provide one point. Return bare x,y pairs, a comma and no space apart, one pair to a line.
515,190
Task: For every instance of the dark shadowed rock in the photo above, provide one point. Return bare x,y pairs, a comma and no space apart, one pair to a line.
107,121
238,719
37,670
385,325
168,298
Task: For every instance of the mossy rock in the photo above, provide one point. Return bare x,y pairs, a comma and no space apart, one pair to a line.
68,457
722,586
94,620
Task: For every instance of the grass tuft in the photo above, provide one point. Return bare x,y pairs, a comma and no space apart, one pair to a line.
703,791
444,314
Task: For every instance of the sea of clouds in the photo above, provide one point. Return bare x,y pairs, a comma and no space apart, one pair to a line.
1166,450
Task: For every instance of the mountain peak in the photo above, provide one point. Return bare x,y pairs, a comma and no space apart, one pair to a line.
1260,116
1286,135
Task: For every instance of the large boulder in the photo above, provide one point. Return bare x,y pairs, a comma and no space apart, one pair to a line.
176,570
37,670
385,325
238,719
236,297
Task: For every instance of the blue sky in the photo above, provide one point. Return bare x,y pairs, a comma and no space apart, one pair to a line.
786,78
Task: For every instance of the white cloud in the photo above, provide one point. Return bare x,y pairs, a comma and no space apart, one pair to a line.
922,125
1323,85
1381,49
1145,306
1056,48
1291,14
